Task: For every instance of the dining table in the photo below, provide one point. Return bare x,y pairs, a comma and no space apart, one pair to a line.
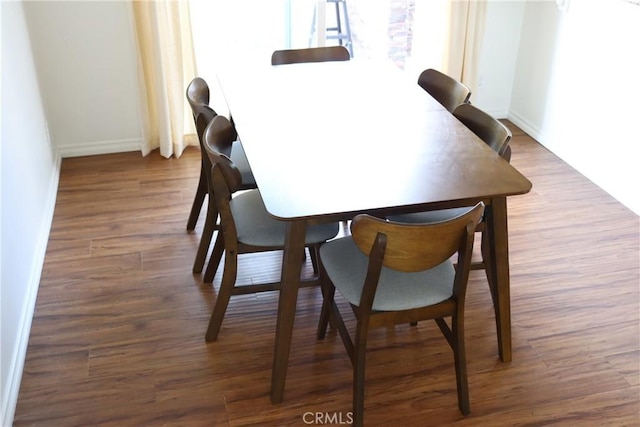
328,141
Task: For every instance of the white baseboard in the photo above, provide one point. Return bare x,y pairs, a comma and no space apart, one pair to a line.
530,129
100,147
16,364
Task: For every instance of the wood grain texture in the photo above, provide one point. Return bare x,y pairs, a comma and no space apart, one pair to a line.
118,332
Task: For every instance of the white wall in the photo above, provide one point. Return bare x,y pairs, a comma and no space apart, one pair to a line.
576,89
86,59
498,55
29,178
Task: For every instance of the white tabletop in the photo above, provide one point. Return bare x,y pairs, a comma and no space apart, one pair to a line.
367,132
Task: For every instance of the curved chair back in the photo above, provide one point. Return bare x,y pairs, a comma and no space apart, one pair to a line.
312,54
491,131
446,90
198,99
198,92
203,114
414,247
218,138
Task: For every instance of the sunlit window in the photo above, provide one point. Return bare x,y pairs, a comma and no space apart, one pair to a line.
410,33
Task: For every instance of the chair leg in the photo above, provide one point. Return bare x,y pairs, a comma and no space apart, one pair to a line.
210,225
313,254
224,294
214,259
328,293
198,201
359,359
460,360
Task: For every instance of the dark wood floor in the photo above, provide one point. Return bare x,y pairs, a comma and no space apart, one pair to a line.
118,333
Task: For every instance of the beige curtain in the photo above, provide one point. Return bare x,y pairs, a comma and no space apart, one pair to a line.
167,65
466,20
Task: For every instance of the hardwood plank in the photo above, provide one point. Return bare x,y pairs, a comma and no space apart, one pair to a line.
117,337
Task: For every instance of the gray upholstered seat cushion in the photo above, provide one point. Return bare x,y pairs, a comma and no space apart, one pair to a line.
346,266
429,217
239,158
256,227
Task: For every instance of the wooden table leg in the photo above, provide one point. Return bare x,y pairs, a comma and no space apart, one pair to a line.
497,233
291,269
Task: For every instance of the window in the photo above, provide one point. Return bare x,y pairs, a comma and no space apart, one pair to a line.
410,33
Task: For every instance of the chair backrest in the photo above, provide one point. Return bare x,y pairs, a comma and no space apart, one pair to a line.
198,98
312,54
217,141
224,177
202,114
491,131
446,90
197,93
415,247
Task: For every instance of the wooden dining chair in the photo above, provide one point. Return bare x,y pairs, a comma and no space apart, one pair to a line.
312,54
486,127
245,224
495,135
393,273
198,98
445,89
